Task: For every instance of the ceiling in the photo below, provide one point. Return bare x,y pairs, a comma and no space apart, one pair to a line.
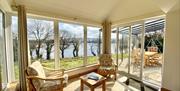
98,10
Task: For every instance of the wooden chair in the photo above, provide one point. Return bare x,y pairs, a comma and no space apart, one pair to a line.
136,58
39,81
106,66
153,49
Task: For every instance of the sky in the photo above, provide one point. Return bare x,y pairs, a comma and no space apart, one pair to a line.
92,32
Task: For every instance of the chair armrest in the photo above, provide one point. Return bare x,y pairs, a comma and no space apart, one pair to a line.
47,78
49,69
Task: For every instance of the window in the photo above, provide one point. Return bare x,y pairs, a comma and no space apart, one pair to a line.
135,49
154,43
93,44
41,41
42,45
123,48
14,30
114,43
71,38
3,69
140,49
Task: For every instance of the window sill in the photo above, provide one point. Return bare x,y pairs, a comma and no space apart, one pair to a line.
77,72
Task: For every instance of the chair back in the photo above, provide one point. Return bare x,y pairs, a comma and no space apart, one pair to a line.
36,69
105,60
153,49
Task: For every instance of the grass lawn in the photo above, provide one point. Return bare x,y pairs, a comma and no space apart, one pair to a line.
67,63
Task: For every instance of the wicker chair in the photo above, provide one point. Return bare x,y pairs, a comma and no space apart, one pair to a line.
39,81
107,67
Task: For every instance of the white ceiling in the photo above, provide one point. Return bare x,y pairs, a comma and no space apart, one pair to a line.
98,10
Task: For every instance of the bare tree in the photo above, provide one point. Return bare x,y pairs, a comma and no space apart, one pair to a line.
94,47
65,41
49,45
76,43
39,32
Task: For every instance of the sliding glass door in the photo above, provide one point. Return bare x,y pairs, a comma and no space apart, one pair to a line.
153,46
135,49
123,49
3,70
140,49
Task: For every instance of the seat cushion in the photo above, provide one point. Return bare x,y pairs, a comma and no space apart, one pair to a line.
51,86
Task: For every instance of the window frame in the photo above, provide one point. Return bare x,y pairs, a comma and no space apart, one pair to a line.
4,68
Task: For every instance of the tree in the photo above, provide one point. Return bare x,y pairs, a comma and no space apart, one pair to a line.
76,43
65,41
39,32
49,45
94,46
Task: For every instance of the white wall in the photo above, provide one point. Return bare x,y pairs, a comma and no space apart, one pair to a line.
171,71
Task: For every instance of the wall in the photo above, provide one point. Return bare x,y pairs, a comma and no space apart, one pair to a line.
171,71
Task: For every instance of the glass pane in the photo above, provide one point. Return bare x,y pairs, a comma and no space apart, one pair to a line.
123,51
3,75
71,45
93,44
41,41
136,37
114,43
14,28
154,39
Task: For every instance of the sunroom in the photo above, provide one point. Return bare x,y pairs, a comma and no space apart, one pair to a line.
140,38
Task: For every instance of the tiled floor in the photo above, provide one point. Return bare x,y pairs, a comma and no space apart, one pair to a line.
111,85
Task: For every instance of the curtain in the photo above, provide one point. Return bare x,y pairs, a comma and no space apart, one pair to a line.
22,27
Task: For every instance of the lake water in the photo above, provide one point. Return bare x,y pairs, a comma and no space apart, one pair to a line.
69,51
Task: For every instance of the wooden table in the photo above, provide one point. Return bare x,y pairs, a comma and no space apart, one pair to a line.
148,55
92,84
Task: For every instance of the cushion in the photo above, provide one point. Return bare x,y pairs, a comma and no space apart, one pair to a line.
105,60
51,86
39,68
36,69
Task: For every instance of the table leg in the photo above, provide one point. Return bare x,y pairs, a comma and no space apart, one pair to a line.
81,85
104,86
92,89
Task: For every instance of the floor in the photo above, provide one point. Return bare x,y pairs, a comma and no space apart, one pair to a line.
111,85
151,74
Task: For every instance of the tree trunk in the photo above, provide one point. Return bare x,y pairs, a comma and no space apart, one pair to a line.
92,52
74,52
62,53
48,51
37,53
77,52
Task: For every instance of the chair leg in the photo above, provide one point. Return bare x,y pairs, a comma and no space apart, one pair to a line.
115,76
61,89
